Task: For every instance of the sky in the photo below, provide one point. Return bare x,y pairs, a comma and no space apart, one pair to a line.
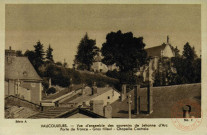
63,25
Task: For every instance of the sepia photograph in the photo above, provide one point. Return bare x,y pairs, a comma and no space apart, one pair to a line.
107,61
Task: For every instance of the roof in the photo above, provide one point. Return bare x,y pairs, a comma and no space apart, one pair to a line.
63,92
155,51
20,68
81,111
164,98
18,112
65,112
87,96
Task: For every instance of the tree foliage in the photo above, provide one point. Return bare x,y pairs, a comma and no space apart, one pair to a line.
51,90
36,57
31,56
59,63
19,53
176,50
39,55
197,70
49,55
86,52
189,52
58,74
125,50
187,67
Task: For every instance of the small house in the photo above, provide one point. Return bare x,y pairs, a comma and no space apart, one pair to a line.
21,79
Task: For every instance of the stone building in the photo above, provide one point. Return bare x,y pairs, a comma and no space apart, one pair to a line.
98,66
21,79
156,55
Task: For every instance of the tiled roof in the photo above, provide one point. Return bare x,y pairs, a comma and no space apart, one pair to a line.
163,99
20,68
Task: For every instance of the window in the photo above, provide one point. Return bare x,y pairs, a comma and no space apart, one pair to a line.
108,97
25,73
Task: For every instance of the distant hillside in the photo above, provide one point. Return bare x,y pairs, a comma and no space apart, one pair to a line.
100,79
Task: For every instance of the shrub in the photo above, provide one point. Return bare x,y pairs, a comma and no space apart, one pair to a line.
51,90
45,83
101,81
113,74
62,76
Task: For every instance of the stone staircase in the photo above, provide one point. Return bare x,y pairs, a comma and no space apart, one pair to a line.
52,113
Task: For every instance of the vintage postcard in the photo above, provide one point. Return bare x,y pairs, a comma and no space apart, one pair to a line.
91,67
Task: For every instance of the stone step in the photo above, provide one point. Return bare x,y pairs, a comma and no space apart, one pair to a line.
52,112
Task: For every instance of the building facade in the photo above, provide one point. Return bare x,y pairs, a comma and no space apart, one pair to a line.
98,66
156,55
21,79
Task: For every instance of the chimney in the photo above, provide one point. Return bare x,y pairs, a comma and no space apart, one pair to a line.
97,106
84,103
123,92
137,99
108,110
94,89
129,103
186,111
150,98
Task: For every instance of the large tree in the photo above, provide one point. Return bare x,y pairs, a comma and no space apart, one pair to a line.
189,52
125,50
188,66
49,55
30,55
19,53
86,52
39,54
176,50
